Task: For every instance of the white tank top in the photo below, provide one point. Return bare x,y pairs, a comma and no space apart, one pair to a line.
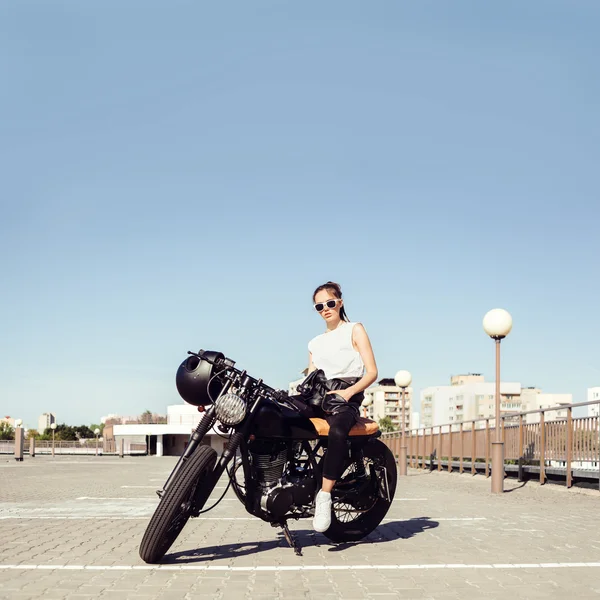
334,353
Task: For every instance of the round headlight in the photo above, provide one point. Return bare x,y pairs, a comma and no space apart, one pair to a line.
230,409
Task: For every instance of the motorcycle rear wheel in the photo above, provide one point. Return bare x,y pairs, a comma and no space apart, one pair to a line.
185,493
377,454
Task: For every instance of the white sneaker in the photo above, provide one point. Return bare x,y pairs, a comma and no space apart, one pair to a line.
322,519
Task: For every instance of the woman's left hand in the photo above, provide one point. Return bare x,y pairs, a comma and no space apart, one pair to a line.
345,394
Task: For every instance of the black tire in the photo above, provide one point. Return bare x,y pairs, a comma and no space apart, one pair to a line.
378,455
185,493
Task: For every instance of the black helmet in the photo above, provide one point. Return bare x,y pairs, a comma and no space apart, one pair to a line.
193,379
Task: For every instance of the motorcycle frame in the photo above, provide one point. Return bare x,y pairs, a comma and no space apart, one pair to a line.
239,438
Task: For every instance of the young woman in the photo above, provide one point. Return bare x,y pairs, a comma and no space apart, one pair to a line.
343,351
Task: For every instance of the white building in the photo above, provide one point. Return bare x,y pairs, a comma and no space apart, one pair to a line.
386,402
293,386
168,438
45,420
593,393
467,397
415,420
470,397
534,399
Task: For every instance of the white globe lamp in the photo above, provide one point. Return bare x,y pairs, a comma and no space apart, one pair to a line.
403,379
497,323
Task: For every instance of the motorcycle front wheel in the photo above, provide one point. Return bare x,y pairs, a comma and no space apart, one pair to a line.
188,491
355,515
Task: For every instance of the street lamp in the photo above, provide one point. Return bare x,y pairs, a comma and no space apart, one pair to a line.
19,440
403,379
365,404
497,323
96,433
53,427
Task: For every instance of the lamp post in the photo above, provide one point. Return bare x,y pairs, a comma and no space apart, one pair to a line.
403,379
53,427
96,433
497,323
19,440
365,404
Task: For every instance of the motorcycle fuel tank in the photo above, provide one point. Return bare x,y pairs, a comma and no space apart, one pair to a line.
274,421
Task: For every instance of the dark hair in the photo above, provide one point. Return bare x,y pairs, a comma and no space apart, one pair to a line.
336,290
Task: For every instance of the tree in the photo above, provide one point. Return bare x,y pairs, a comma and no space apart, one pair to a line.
7,431
32,433
83,432
95,426
386,425
146,417
62,432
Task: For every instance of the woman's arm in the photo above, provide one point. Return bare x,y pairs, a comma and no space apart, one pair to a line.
311,365
362,344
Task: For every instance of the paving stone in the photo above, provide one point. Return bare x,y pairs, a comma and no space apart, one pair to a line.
458,521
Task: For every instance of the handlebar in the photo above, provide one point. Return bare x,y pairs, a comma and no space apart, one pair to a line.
230,364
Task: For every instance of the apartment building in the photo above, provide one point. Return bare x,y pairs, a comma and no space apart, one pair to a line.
593,393
533,398
45,420
470,397
386,399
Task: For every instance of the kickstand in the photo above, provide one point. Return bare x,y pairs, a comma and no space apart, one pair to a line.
291,540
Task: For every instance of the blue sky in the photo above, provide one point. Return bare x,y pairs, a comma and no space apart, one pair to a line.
182,175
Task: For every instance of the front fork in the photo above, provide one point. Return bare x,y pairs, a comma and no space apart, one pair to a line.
207,421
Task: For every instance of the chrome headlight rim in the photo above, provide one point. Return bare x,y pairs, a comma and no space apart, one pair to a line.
230,409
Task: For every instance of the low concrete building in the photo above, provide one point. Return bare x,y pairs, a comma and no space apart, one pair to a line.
163,439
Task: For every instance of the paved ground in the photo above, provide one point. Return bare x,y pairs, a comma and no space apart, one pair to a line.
70,528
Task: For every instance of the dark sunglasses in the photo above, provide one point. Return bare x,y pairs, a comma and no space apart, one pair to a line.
320,306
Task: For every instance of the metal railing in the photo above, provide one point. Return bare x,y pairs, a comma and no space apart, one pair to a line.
557,446
45,447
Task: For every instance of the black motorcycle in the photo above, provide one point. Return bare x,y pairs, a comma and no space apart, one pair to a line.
272,459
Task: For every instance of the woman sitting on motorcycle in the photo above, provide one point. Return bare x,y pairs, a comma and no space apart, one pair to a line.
343,351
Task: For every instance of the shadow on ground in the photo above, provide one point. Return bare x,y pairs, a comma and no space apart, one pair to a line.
306,538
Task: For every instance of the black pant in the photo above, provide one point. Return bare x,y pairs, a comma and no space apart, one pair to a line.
339,427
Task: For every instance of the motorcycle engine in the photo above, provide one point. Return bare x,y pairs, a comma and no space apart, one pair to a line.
279,489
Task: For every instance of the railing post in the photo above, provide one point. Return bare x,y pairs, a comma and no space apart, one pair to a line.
122,448
460,468
521,441
450,449
431,449
441,447
473,448
487,447
542,448
32,447
569,445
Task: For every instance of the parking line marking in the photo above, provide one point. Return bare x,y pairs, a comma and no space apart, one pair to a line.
361,567
138,518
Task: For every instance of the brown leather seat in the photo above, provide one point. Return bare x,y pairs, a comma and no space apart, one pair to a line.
362,427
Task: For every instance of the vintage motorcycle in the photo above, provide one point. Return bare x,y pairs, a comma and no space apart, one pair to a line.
272,459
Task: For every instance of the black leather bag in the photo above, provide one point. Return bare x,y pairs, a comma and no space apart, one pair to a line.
314,388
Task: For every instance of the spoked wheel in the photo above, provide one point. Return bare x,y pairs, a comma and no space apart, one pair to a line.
188,491
363,495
